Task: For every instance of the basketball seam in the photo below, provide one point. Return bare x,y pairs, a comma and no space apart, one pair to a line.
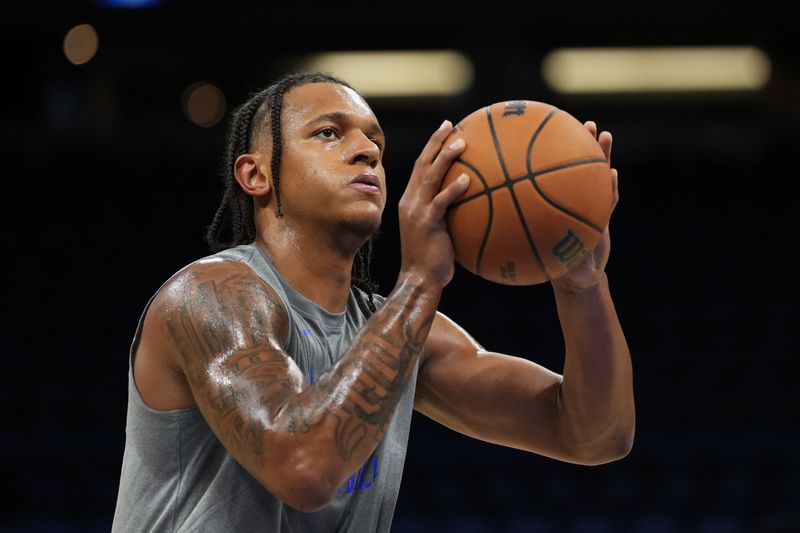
489,221
521,219
529,153
533,176
564,210
496,141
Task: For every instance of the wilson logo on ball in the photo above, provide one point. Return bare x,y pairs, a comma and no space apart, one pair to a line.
569,249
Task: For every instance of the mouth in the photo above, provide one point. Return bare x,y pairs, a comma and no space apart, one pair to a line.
368,183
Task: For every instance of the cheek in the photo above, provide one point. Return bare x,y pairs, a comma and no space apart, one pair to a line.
299,172
313,163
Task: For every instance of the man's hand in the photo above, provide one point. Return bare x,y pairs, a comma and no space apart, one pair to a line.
592,269
427,249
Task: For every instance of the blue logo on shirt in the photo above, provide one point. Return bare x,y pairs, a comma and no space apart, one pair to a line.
363,479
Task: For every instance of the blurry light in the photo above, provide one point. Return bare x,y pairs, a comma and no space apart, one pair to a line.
129,3
398,73
80,44
203,103
630,70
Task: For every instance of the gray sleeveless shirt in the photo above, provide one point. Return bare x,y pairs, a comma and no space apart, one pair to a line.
177,477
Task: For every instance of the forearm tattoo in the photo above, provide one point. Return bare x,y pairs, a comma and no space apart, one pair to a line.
361,391
225,332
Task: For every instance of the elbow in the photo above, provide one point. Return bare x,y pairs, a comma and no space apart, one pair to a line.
302,483
301,473
304,487
618,447
612,447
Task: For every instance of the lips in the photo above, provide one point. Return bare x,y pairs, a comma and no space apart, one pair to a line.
368,183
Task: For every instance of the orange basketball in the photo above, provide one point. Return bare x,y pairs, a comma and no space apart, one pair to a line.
540,192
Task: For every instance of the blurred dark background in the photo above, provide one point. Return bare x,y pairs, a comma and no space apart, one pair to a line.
109,188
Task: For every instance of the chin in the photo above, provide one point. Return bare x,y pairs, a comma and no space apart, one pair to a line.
363,226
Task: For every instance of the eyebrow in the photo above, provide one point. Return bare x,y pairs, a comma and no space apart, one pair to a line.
338,116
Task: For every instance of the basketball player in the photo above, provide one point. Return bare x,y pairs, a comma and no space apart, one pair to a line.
270,388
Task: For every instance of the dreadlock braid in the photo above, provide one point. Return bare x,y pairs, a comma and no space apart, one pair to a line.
275,108
235,214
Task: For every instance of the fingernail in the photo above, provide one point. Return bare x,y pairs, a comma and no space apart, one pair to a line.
444,124
457,144
463,179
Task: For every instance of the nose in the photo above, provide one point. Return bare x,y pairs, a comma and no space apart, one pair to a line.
363,150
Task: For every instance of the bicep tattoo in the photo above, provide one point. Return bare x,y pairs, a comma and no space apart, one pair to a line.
224,328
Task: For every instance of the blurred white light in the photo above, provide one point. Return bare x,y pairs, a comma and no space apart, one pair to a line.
656,69
398,73
80,44
203,103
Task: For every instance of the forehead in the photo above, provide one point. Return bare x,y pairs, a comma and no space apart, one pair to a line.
313,99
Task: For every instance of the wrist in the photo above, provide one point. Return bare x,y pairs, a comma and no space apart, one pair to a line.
419,282
566,285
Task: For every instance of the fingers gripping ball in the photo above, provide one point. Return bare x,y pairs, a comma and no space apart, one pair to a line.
540,193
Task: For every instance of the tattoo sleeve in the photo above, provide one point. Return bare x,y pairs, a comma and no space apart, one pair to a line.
228,328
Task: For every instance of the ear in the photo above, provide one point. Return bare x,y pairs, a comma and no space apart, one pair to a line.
250,173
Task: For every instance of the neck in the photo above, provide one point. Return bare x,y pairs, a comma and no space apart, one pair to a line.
319,269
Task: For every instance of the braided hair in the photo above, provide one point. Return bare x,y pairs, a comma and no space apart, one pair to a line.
235,214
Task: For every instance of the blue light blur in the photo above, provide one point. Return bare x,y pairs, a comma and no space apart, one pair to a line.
129,4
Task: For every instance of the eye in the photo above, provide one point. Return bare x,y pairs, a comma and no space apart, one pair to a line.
327,133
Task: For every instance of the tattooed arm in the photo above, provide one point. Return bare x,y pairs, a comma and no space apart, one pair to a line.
222,328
